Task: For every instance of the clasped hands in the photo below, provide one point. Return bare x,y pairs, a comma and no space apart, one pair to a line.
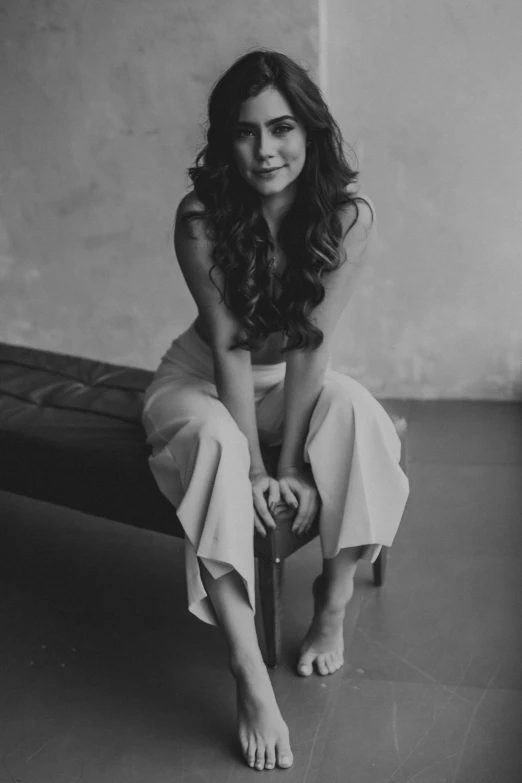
294,486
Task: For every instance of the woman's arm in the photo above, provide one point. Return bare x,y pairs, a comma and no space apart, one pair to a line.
235,388
305,370
232,368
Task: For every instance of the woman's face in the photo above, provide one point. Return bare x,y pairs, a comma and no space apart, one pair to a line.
267,136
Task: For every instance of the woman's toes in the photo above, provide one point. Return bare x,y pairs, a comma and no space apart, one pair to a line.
251,754
284,758
322,666
305,666
260,757
331,663
244,746
270,758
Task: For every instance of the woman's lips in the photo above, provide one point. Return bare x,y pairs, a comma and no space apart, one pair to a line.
268,173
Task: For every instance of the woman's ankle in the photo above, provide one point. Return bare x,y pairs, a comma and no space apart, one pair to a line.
333,596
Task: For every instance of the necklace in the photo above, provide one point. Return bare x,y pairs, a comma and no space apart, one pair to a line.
272,261
275,272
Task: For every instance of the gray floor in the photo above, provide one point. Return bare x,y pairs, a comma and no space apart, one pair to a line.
104,677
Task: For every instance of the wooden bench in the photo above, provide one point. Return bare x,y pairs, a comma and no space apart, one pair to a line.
71,435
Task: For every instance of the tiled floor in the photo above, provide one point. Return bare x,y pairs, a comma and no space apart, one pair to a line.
105,678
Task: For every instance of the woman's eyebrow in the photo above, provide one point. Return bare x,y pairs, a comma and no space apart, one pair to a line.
270,122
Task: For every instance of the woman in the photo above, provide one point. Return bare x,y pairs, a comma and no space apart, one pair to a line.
270,242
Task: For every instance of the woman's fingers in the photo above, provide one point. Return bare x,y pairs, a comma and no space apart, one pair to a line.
302,519
306,514
262,510
263,519
287,494
300,497
274,494
268,492
299,491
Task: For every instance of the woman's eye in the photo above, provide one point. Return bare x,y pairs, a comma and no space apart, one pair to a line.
279,130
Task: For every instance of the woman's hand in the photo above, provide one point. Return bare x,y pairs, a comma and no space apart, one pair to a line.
298,489
265,491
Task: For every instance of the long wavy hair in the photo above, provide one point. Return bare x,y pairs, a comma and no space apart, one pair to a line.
311,232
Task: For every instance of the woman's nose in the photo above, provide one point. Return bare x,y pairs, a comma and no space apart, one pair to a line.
265,146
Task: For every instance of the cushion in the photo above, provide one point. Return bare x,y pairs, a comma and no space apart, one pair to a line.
71,434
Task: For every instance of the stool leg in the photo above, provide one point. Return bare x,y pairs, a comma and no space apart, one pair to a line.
379,567
270,591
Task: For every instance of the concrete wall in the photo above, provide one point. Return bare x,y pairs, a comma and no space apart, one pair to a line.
429,94
101,103
101,108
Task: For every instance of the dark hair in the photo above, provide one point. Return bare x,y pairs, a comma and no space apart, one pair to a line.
311,231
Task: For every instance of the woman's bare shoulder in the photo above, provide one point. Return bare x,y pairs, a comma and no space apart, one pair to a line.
190,203
190,216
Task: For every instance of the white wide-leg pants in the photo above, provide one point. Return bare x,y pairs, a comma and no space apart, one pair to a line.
200,460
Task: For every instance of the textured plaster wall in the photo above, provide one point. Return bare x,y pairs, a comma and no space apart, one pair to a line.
101,107
102,104
429,94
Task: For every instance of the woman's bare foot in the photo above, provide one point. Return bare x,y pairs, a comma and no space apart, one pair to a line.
263,734
324,642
